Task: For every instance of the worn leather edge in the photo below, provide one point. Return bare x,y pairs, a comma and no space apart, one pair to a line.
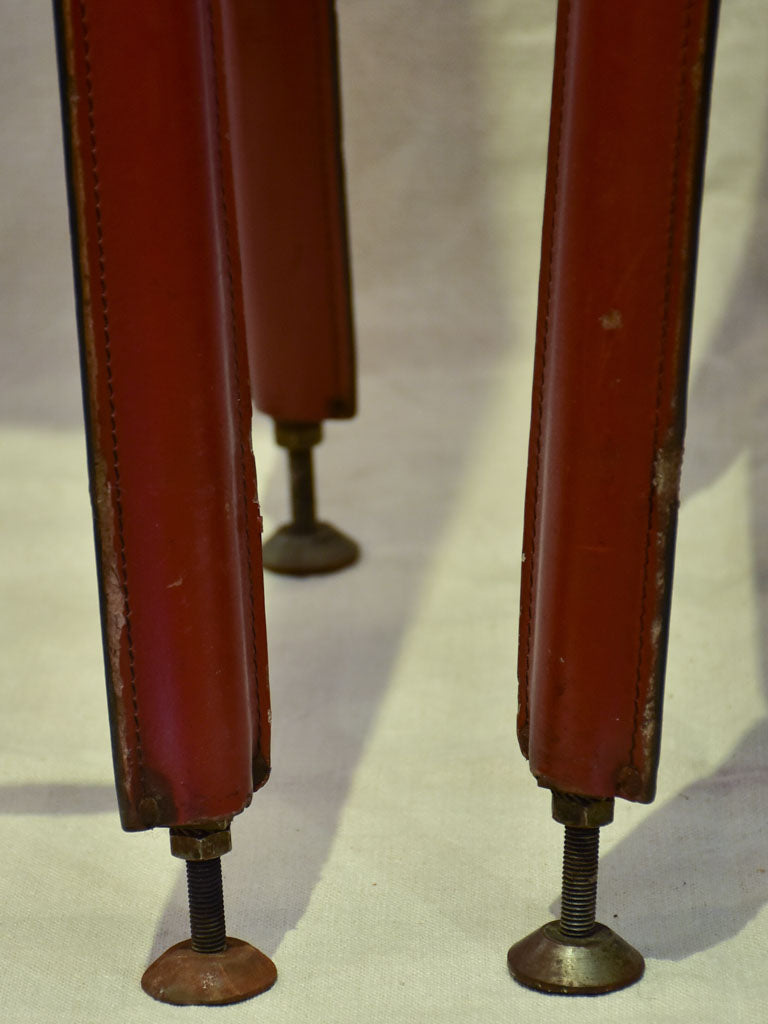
103,525
262,714
139,809
632,784
529,548
639,784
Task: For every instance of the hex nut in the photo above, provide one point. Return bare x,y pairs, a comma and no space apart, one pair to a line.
298,436
194,845
581,811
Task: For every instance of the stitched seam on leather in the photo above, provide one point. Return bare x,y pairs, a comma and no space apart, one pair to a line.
666,302
235,360
110,387
544,343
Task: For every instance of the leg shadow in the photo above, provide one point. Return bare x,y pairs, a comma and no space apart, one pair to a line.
714,879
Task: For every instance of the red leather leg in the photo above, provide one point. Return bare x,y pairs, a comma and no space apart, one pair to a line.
283,96
167,406
627,137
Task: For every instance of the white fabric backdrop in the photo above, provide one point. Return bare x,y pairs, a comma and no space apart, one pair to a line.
401,845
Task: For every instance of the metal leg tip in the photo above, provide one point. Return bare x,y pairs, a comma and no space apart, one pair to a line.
600,962
308,551
184,977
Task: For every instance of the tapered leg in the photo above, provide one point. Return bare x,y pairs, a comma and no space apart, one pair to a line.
168,417
289,177
625,167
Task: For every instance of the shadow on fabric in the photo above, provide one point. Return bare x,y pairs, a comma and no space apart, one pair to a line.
718,880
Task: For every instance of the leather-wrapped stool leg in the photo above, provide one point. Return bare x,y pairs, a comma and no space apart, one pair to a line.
627,139
168,415
289,179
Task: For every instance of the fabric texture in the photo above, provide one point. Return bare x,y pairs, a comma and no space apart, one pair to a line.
402,844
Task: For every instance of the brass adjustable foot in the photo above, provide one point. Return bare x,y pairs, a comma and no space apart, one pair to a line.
305,546
576,955
210,968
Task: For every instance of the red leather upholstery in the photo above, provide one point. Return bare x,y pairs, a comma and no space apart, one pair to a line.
627,136
167,406
286,142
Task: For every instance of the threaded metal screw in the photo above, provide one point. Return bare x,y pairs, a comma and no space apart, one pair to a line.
206,906
579,894
302,488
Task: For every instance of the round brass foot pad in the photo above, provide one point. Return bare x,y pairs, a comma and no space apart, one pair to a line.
295,552
186,978
601,962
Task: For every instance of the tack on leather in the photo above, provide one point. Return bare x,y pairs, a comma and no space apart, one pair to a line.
167,406
626,151
283,96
